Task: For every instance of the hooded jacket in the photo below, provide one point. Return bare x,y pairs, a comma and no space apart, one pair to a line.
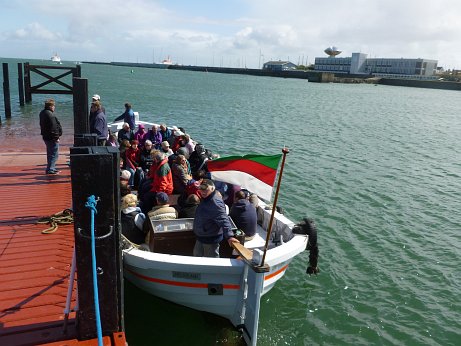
243,213
162,180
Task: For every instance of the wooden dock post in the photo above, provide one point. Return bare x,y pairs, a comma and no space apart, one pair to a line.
20,84
28,94
82,135
96,171
78,71
81,114
6,90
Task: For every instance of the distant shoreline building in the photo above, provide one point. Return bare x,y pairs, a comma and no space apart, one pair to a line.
359,63
279,66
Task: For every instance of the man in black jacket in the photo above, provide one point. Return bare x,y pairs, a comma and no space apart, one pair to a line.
51,130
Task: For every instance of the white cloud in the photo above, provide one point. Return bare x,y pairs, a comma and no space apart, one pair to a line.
33,31
131,29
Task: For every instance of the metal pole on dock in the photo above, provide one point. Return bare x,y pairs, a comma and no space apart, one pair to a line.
6,90
20,84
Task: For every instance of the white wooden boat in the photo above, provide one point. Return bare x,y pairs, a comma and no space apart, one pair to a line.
230,286
227,287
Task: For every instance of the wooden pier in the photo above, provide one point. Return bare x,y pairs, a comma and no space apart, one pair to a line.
35,267
39,303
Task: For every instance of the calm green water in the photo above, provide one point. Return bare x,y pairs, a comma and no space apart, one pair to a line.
377,167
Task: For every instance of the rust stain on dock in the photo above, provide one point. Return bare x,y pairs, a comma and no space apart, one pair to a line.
34,267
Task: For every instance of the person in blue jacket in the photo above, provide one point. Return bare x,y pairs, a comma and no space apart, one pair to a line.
211,223
243,213
98,125
128,117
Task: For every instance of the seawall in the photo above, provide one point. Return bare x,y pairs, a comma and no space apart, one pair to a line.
311,76
421,83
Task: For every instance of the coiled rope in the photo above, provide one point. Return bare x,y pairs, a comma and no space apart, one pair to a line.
91,204
64,217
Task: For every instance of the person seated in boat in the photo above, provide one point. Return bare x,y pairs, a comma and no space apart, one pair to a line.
229,192
159,179
124,178
181,174
132,219
199,157
146,157
128,116
155,137
193,186
124,133
112,141
141,135
132,160
254,200
188,143
219,195
177,141
162,210
189,207
222,187
166,148
125,189
211,223
243,213
181,151
165,132
123,147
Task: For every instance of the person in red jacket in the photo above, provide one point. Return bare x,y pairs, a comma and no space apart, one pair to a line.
161,177
132,160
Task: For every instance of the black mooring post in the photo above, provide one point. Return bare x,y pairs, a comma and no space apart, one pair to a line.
27,87
81,115
78,71
20,84
95,171
6,90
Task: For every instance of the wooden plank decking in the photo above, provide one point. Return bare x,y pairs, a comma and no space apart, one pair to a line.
34,267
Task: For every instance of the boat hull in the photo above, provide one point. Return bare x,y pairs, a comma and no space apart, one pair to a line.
214,285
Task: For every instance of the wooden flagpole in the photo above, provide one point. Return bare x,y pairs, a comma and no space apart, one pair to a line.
285,151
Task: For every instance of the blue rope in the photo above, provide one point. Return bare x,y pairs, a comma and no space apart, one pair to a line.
91,204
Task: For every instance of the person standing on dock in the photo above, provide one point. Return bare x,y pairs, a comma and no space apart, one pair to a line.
98,123
128,117
95,98
51,130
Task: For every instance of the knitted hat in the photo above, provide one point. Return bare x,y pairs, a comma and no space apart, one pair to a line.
162,197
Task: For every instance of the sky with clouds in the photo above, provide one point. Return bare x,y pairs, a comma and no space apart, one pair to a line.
232,33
